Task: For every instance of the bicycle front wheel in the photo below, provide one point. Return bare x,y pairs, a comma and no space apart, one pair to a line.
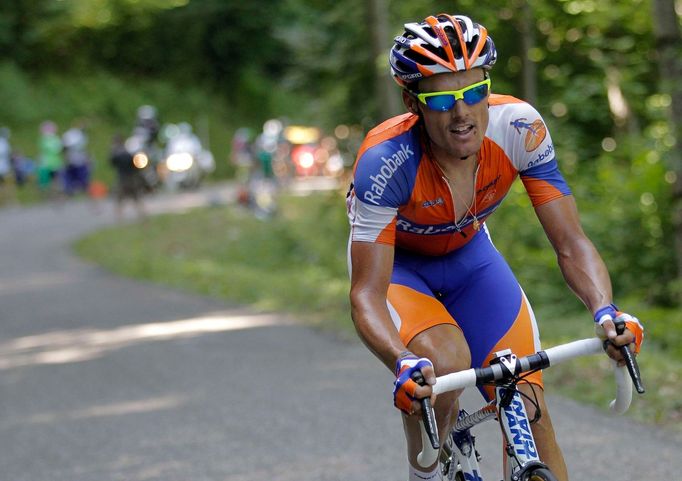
540,474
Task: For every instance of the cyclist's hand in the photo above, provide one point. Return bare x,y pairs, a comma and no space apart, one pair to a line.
632,336
405,390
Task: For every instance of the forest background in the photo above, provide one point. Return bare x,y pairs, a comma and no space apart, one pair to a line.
605,76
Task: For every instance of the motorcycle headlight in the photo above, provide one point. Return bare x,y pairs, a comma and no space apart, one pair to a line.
179,162
140,160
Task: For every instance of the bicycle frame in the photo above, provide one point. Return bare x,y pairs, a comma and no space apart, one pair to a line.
520,448
509,408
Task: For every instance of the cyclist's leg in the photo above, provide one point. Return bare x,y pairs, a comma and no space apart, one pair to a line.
494,314
517,338
543,432
428,330
446,347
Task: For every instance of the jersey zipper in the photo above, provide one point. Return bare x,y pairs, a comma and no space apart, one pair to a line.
452,197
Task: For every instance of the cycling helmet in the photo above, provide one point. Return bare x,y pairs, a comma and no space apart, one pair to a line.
146,112
441,44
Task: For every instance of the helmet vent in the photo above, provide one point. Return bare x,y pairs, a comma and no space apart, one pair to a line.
420,59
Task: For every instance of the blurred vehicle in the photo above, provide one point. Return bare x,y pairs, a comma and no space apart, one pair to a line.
312,154
185,162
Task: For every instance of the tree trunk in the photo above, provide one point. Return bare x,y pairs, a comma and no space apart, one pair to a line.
530,70
387,92
669,49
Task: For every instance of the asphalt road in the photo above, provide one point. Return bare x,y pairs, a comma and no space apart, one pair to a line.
108,379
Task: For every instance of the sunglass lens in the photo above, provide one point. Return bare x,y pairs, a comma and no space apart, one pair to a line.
441,103
475,95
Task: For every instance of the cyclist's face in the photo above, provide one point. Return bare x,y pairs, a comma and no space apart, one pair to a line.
458,132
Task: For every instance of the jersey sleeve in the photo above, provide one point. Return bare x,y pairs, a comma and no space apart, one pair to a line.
383,181
533,155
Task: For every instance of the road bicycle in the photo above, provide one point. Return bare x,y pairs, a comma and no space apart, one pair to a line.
458,455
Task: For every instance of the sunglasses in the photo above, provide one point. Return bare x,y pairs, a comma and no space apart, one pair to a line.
445,101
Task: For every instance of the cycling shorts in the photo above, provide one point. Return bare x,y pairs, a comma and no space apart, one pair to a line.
472,288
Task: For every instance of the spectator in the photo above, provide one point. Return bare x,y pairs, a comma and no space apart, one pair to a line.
5,155
50,156
78,164
130,184
23,167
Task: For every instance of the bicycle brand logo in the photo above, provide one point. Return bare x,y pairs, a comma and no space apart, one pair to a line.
519,429
535,132
386,171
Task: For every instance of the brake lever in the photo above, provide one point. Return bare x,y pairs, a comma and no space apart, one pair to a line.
630,360
427,413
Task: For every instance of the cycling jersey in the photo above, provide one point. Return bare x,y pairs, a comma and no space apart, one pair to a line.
448,272
400,194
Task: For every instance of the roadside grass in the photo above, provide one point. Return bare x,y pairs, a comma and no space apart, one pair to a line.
296,263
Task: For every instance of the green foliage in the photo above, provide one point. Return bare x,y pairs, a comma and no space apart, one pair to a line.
624,205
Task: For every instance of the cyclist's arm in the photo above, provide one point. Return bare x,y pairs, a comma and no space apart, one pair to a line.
371,268
580,263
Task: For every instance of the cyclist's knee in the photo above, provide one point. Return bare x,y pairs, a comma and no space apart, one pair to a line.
534,401
445,346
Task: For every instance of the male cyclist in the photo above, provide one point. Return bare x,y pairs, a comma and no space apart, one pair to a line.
429,291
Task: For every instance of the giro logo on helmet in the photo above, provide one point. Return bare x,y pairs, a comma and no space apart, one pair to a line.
400,40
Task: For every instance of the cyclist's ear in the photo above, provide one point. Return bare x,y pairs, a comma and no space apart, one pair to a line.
411,102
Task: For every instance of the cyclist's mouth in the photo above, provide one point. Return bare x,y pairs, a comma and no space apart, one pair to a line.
462,130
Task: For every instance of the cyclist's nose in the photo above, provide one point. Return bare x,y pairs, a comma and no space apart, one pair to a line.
460,108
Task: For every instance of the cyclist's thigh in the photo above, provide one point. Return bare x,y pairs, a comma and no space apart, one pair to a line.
425,326
490,307
412,302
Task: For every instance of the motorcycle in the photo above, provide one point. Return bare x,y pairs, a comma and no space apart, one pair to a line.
186,162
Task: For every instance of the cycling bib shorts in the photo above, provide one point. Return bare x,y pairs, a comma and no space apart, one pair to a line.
472,288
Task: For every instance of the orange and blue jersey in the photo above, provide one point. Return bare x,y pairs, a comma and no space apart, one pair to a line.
445,271
401,197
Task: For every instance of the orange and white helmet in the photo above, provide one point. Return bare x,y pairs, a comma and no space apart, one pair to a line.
441,44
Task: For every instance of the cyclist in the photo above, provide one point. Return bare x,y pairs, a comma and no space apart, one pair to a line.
429,291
